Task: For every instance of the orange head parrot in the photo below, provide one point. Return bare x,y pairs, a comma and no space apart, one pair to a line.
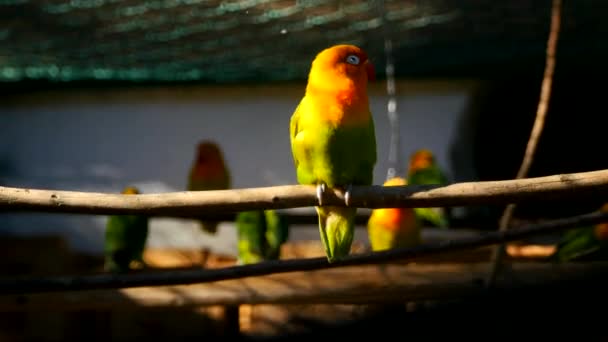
333,139
393,227
422,170
208,172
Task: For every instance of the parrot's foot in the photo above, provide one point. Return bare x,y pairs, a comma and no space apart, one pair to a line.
349,189
320,191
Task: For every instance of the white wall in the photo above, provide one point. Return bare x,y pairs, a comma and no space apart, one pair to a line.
101,141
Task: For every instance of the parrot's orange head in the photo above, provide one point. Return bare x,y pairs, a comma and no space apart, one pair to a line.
421,159
342,71
130,190
209,157
344,61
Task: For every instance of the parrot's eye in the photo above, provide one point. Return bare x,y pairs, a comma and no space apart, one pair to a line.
352,59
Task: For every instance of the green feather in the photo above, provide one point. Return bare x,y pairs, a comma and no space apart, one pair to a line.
431,175
337,156
580,244
250,227
436,216
260,235
277,233
125,240
337,229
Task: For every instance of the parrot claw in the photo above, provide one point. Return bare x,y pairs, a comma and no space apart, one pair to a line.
347,195
320,190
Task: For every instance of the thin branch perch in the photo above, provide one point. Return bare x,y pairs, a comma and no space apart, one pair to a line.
197,203
24,285
370,284
539,122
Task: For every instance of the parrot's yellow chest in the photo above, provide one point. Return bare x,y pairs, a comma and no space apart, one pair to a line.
343,108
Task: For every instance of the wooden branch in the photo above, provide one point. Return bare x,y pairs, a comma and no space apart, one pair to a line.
24,285
348,285
196,203
539,122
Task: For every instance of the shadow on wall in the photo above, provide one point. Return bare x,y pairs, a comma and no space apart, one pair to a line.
6,169
498,122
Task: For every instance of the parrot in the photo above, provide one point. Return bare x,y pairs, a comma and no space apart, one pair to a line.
423,170
277,233
208,172
125,239
260,234
584,243
333,140
393,227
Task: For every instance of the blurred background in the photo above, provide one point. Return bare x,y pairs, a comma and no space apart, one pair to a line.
96,95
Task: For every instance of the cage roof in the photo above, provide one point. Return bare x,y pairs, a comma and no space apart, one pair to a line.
275,40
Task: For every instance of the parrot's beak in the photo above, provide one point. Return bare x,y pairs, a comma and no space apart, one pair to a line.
371,72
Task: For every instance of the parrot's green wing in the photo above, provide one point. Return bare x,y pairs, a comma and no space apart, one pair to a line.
580,244
125,240
277,233
431,175
337,156
250,228
435,216
293,131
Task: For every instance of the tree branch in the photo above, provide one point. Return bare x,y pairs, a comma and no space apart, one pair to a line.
25,285
370,284
197,203
539,122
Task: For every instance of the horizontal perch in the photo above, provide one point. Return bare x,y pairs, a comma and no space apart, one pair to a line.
195,203
348,285
23,285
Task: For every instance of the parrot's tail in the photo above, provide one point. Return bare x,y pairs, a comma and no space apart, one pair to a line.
337,229
209,226
117,261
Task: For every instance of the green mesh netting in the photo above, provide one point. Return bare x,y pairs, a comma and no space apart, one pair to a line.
271,40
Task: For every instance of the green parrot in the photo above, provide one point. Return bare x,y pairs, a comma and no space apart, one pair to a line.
423,170
333,139
393,227
583,244
125,239
208,172
260,234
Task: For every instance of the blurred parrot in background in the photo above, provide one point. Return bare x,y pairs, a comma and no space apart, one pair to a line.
389,228
260,234
423,170
333,139
125,239
583,244
208,172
